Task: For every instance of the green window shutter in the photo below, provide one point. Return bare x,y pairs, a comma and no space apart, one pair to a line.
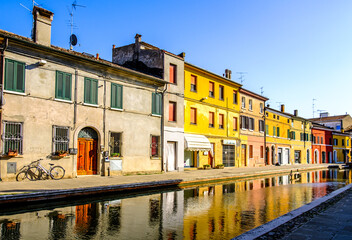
59,89
156,103
267,129
90,91
278,131
116,96
63,85
14,75
288,133
274,132
68,86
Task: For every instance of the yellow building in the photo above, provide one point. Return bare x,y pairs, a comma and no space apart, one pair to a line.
277,131
301,145
211,119
341,147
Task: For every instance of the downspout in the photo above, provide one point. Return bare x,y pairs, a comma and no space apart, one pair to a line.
163,160
74,164
2,67
104,126
266,154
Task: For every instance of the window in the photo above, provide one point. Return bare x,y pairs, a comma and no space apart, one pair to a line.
155,146
116,96
235,97
172,74
235,124
301,136
261,105
293,135
193,116
267,129
244,122
261,126
274,116
250,105
267,114
274,131
251,124
61,139
156,104
13,137
211,89
14,75
221,92
172,111
193,83
321,140
261,151
115,144
250,151
343,142
278,131
278,117
314,139
335,142
221,121
288,133
348,142
63,85
90,91
211,119
318,140
243,102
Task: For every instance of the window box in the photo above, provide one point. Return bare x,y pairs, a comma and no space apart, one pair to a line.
115,155
59,154
12,153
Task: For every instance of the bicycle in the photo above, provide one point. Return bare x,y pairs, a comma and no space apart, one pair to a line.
21,174
40,172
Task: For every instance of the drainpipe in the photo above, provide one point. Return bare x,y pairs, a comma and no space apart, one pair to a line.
163,160
266,155
104,126
2,67
75,104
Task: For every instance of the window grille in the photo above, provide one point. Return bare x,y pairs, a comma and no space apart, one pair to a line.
115,144
61,139
155,142
13,137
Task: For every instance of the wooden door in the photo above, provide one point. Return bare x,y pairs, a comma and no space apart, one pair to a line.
87,157
244,155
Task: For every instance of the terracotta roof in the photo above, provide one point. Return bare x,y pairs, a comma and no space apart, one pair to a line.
253,94
317,125
29,40
328,119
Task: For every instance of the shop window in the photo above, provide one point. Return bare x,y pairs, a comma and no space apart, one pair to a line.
115,144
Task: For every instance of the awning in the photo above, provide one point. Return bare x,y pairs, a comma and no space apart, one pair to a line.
195,142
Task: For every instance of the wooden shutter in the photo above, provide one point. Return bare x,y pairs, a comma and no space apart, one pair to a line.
87,90
59,85
14,75
193,115
116,96
211,119
211,89
235,123
221,120
172,107
172,76
94,91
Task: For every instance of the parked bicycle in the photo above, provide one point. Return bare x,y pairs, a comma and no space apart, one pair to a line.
21,174
38,171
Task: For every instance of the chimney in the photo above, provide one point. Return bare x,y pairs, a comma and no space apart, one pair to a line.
137,47
182,54
138,38
228,73
42,26
295,113
282,107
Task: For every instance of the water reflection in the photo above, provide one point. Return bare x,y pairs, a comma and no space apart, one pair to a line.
218,211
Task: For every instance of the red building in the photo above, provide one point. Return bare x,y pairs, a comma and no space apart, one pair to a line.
322,148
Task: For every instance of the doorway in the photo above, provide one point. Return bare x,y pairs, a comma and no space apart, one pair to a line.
243,155
171,156
87,158
279,155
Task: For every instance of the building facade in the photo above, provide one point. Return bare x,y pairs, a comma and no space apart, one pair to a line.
277,131
341,147
151,60
322,140
81,112
211,119
252,127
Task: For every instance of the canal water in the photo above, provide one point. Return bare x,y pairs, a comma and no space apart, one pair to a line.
214,211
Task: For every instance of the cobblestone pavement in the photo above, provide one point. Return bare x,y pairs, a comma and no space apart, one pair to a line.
196,176
335,223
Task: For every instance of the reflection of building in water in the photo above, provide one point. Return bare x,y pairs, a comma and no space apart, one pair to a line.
10,230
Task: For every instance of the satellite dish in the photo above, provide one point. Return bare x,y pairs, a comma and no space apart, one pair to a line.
73,40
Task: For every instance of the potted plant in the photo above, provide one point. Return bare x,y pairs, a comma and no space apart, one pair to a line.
206,166
12,153
220,166
115,154
60,153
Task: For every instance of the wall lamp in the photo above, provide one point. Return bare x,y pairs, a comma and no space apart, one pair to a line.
204,98
41,62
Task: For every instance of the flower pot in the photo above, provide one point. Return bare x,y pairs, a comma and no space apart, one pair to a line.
12,154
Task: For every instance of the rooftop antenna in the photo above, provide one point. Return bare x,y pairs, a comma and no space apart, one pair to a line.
241,77
313,106
34,3
73,38
261,91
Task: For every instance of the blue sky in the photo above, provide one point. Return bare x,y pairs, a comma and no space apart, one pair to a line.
296,50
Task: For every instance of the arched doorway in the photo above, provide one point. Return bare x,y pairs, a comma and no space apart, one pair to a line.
316,156
87,158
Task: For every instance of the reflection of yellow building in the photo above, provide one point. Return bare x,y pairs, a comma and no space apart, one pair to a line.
211,119
300,135
341,147
277,130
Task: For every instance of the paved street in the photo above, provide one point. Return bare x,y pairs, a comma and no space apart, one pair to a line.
333,223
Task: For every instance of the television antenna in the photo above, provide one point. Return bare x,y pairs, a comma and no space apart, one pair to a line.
241,77
34,3
313,106
73,37
261,91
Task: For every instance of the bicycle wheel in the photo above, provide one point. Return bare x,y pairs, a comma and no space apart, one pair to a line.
33,173
21,176
57,172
